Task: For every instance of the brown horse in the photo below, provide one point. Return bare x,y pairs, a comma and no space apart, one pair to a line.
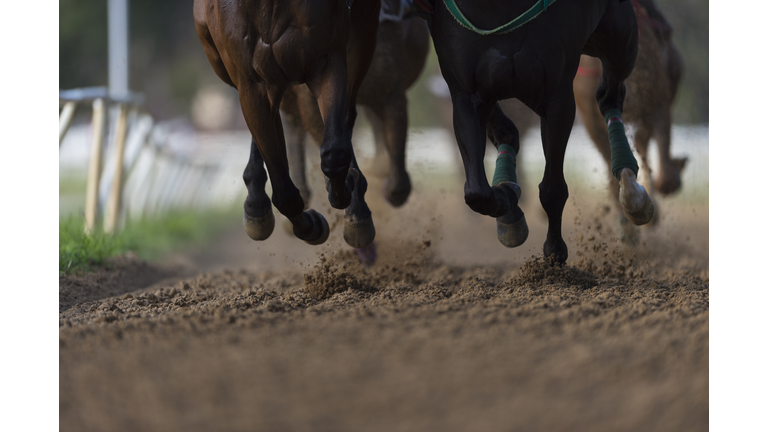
263,48
401,52
535,62
651,90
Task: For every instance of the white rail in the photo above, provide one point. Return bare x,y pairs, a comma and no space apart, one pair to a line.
143,175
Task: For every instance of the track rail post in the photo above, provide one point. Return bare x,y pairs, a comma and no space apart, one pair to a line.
65,119
94,167
116,192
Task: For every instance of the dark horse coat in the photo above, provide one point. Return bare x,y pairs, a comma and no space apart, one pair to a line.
262,48
535,63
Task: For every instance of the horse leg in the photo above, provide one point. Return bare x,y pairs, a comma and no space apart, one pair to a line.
511,229
258,220
584,89
379,167
668,180
556,124
394,115
359,231
295,138
268,145
470,119
614,41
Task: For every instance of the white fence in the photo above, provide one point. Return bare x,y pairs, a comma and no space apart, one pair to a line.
137,167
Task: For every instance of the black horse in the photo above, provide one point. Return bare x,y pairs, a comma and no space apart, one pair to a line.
530,51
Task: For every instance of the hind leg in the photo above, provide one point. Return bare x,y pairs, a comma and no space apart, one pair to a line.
668,180
258,220
295,138
359,231
394,129
379,166
268,145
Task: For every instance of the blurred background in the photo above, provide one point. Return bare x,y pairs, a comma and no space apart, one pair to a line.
188,135
167,63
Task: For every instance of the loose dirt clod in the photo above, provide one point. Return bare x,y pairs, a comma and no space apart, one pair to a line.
540,270
328,277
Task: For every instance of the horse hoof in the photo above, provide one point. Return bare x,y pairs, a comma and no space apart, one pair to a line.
322,231
670,178
635,202
259,228
398,194
358,233
512,229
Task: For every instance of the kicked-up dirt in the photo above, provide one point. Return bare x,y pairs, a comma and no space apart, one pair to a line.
447,331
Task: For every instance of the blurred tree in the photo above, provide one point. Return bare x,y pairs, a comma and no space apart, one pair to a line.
690,23
166,60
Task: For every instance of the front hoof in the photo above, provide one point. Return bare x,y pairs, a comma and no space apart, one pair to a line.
635,202
670,180
358,233
320,232
259,228
558,251
512,229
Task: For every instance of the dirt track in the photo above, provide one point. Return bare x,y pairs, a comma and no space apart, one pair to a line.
449,330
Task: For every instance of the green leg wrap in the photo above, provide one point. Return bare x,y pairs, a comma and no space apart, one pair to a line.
621,154
505,165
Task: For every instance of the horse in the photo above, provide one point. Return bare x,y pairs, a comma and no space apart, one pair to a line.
401,52
263,48
531,52
651,91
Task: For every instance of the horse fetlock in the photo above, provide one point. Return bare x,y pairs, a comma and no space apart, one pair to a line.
483,200
339,192
312,228
259,228
397,188
556,249
507,195
634,199
669,180
512,229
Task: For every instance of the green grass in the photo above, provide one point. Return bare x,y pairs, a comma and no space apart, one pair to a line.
150,239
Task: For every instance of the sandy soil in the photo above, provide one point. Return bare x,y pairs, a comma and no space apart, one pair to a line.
448,331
